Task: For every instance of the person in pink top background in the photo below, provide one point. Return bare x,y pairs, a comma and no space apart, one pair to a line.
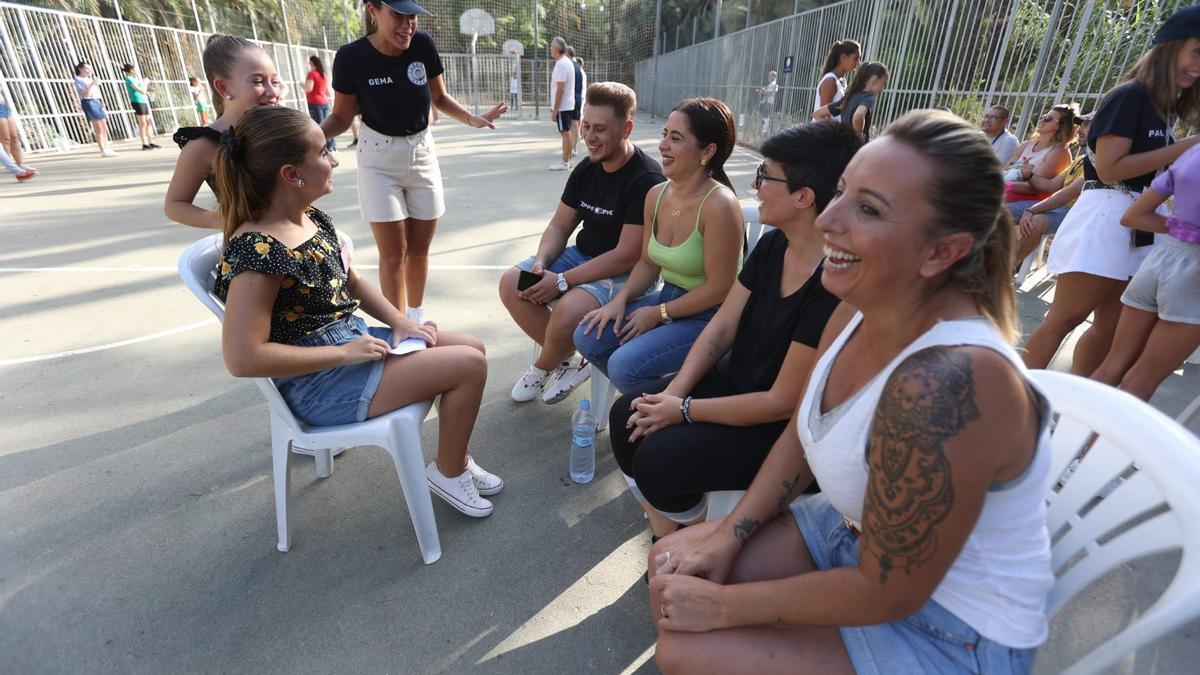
1160,321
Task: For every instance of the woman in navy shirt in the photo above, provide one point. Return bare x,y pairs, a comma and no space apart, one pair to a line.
392,76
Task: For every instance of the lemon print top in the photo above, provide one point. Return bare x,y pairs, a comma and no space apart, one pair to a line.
682,265
312,293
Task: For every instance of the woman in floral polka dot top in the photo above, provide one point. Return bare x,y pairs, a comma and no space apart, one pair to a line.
290,306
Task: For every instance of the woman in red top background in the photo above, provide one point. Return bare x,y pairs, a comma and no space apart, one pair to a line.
316,90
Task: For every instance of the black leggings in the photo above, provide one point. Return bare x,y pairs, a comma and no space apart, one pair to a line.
674,467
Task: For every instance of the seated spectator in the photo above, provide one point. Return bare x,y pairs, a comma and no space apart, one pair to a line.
290,306
1159,326
606,192
1045,155
694,239
855,108
927,548
1039,218
710,427
995,128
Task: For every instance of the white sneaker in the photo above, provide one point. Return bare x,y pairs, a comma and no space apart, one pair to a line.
416,315
459,492
109,152
560,166
570,377
485,481
530,385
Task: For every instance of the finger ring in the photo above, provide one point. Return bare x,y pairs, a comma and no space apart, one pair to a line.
669,559
664,611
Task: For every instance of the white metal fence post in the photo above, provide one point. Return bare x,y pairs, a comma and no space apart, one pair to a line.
42,76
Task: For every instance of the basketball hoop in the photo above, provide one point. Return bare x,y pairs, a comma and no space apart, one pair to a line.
513,48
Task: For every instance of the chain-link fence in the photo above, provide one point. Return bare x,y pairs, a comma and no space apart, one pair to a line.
965,55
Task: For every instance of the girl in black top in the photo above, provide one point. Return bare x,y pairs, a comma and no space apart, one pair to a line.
290,305
1130,140
242,76
392,76
710,426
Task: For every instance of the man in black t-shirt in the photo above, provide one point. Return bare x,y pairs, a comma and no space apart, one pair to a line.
606,193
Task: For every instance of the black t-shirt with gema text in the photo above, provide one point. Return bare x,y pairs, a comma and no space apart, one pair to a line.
393,91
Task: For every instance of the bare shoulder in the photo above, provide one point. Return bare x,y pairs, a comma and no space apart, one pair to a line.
723,208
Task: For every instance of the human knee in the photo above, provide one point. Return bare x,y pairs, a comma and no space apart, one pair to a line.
393,254
669,656
625,371
508,285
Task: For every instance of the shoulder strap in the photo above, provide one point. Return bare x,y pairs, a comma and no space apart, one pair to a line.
701,209
657,201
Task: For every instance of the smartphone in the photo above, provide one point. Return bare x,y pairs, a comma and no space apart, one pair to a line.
527,280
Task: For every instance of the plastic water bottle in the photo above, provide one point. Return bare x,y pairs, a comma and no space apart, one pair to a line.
583,443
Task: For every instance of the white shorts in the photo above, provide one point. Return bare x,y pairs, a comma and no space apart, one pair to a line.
398,177
1091,238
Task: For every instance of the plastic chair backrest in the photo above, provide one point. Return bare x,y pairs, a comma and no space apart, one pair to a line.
197,268
1132,494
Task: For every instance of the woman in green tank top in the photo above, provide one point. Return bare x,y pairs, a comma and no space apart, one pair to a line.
694,240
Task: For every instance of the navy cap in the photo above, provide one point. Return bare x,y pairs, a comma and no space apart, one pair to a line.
1183,24
405,7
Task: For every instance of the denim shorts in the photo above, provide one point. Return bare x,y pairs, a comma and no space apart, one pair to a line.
5,111
602,290
93,109
339,395
1018,209
931,640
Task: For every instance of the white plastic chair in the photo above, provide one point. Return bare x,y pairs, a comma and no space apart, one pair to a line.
755,229
1030,261
398,432
1158,464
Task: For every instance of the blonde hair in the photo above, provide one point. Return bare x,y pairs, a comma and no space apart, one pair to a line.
249,157
967,195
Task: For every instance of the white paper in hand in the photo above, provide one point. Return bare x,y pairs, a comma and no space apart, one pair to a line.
407,346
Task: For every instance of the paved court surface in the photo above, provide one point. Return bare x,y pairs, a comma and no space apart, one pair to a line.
136,520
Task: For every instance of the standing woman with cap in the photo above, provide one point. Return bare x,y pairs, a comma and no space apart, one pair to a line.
1130,140
392,76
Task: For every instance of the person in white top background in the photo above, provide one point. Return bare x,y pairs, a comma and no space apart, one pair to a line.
927,549
88,90
766,100
843,57
562,99
994,126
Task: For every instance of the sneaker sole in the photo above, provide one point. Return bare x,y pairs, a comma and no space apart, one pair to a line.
562,395
453,501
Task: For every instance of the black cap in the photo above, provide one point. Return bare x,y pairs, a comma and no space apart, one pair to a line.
1183,24
405,6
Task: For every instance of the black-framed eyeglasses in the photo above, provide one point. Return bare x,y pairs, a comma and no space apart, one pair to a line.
760,175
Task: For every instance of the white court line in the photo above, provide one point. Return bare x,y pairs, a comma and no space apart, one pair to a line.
111,345
165,268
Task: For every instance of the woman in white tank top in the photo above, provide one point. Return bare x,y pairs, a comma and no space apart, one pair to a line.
927,551
843,57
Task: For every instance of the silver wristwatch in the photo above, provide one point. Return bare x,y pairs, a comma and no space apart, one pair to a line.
562,283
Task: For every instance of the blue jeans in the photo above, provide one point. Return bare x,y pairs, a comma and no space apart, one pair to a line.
650,356
930,640
318,112
339,395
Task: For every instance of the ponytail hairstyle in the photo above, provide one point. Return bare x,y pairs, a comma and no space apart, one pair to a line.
127,69
711,121
315,61
837,50
221,54
863,76
967,195
80,66
249,157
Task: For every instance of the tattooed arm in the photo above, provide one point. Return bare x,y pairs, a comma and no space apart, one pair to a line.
951,421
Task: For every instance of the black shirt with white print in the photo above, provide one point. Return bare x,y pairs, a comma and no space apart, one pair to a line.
1129,112
606,202
393,91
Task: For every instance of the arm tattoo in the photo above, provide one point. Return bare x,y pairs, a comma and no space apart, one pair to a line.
791,489
927,400
744,529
